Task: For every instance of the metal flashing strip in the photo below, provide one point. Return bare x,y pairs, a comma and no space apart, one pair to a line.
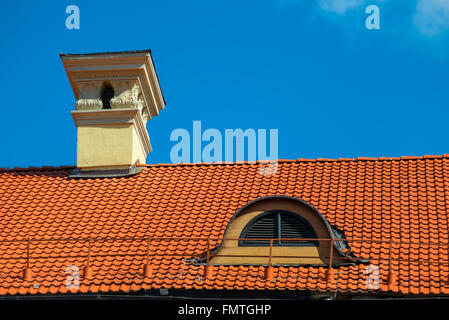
107,173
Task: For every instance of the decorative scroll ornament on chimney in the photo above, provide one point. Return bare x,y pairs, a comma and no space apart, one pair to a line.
116,94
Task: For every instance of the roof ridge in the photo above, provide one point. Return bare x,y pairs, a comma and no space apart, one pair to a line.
424,157
298,160
37,168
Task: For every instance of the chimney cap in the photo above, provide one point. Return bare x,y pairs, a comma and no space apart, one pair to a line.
103,53
137,66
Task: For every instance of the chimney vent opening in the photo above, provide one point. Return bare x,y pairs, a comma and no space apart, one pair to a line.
107,93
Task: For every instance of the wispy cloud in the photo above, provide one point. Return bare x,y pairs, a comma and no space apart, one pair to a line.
339,6
432,16
429,17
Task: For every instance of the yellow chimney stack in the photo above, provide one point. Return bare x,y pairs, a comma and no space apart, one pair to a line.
116,94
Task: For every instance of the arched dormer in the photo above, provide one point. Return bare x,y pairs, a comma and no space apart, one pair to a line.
280,220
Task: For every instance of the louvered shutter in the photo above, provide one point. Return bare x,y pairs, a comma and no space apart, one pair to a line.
277,224
292,227
262,228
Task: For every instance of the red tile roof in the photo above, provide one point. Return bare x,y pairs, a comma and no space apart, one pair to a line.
401,199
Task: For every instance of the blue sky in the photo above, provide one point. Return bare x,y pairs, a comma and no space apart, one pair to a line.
307,68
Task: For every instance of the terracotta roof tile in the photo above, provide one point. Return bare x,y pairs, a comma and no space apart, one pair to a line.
397,199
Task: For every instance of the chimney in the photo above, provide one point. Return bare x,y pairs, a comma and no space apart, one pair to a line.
116,94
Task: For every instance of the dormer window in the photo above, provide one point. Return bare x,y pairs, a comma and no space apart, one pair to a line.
282,221
278,225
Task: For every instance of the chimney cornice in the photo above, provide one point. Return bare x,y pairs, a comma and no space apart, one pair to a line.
124,71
